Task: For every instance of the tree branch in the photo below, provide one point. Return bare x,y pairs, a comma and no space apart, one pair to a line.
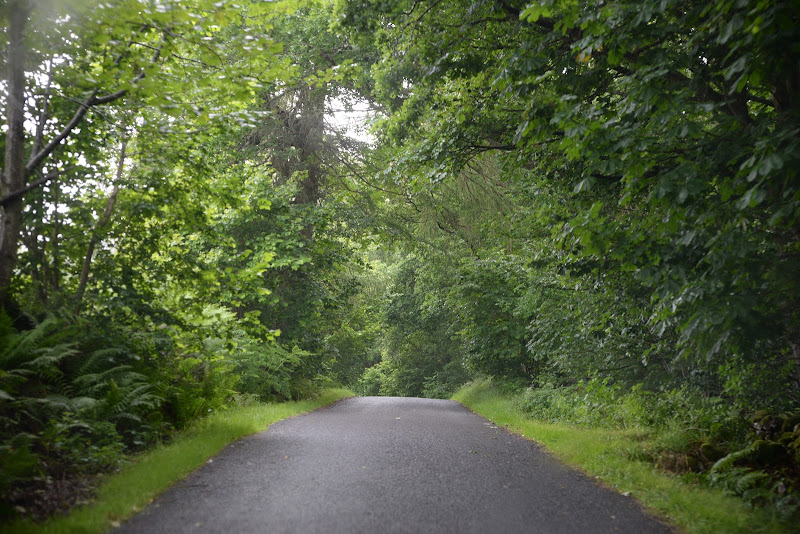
101,223
91,101
33,185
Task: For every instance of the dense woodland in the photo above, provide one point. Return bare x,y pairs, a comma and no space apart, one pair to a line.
597,204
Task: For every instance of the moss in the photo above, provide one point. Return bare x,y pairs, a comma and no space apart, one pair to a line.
759,415
791,423
785,439
791,441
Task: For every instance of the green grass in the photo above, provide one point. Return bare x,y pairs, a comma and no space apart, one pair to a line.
122,495
607,454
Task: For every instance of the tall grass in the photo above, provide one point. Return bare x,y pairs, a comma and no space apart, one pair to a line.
610,455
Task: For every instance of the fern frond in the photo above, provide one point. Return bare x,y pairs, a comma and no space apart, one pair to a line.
56,402
96,383
137,397
47,358
127,416
131,378
82,404
19,347
102,359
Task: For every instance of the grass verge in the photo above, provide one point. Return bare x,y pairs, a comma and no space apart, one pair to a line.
123,494
610,456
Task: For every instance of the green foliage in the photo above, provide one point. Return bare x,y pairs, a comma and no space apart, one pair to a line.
266,370
356,342
765,471
67,409
495,332
209,263
650,153
376,379
76,445
758,488
18,461
600,403
616,457
420,355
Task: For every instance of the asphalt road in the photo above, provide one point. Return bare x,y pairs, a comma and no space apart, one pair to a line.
384,465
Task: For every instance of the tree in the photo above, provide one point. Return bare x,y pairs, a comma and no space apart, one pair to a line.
129,55
296,216
667,129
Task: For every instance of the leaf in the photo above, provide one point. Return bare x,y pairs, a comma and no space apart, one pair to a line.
535,11
752,198
736,67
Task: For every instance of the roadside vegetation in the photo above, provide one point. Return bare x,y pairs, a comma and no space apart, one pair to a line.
594,203
621,456
171,245
143,477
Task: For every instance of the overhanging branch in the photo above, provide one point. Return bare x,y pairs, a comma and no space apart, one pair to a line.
33,185
92,100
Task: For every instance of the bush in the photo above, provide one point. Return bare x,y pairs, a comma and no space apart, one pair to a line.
689,432
378,379
603,404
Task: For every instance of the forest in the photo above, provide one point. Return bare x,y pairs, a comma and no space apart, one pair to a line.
593,204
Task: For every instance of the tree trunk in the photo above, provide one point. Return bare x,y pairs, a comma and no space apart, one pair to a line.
39,270
98,227
307,135
55,269
13,178
311,144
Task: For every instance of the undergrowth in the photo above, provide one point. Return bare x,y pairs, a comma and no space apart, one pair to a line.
78,398
121,495
609,440
707,440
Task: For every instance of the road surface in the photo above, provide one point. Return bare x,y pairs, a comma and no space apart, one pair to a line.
385,465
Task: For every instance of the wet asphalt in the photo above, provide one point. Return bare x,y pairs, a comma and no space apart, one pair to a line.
389,465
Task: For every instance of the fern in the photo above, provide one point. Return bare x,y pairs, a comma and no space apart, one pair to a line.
727,462
36,353
44,361
83,404
101,359
21,347
45,377
127,416
752,480
135,397
97,384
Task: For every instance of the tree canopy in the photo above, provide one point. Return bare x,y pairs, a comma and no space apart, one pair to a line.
553,193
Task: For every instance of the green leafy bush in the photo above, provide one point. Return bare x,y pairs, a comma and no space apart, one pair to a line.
66,408
266,370
687,432
598,402
375,379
